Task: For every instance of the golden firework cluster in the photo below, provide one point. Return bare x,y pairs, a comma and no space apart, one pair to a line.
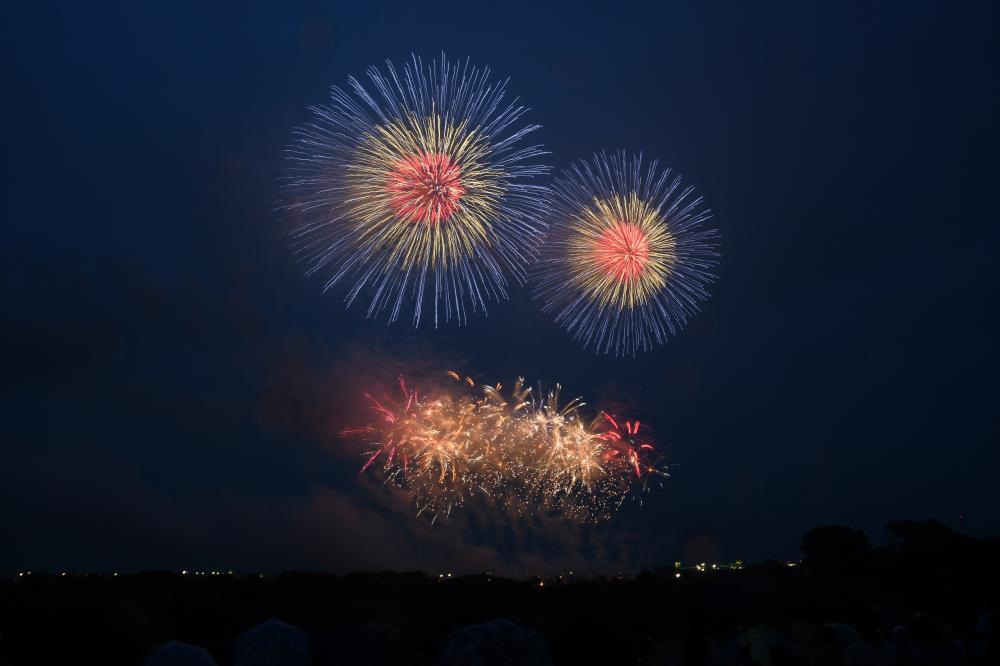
522,452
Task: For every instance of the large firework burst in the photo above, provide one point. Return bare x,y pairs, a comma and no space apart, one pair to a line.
628,258
417,190
523,452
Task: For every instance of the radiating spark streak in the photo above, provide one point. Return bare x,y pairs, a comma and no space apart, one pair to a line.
371,460
389,415
356,431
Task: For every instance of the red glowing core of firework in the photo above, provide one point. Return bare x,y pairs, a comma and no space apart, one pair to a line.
622,251
425,187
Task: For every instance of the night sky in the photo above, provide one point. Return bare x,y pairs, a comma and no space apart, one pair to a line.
172,384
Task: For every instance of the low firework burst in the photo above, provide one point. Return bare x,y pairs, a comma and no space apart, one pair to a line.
419,190
628,258
523,454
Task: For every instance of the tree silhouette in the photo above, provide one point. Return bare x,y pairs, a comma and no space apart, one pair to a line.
835,550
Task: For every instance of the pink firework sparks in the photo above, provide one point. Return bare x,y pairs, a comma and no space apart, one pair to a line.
426,187
622,251
626,446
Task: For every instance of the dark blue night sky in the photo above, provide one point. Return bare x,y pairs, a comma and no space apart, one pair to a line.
172,384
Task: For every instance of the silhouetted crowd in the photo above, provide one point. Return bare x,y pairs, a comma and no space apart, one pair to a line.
924,640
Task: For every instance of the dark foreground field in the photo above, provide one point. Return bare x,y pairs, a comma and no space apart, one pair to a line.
928,598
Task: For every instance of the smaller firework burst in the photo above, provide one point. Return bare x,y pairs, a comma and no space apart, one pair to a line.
626,447
522,452
628,259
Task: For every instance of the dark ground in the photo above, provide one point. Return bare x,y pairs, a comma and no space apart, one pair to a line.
653,618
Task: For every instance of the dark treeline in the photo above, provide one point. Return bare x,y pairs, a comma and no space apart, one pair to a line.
929,596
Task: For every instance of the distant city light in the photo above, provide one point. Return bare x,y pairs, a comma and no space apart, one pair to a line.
735,565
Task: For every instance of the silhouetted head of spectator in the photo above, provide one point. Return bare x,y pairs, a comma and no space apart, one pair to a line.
901,635
928,630
867,625
829,634
986,625
985,645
